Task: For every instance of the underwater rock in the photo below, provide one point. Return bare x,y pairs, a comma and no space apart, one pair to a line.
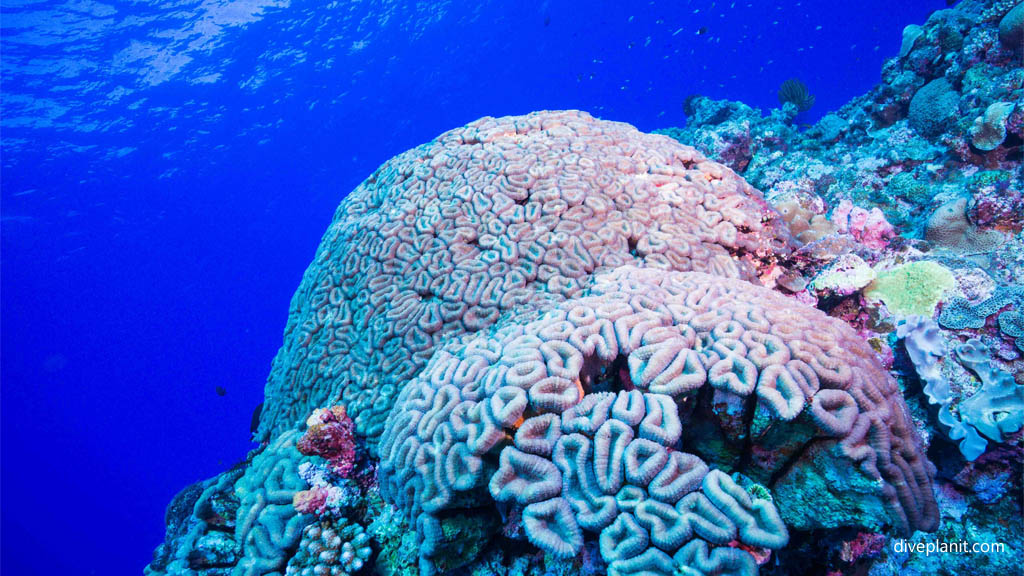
1011,28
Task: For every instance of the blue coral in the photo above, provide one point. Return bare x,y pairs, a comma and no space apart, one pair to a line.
960,313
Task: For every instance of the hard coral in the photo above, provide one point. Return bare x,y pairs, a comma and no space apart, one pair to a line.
1011,28
576,418
949,228
504,213
269,527
868,226
933,108
912,289
331,548
989,129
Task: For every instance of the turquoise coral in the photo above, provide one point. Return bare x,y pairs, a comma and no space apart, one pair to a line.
269,528
960,313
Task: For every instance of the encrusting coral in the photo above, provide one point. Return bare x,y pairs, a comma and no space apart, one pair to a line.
502,214
576,417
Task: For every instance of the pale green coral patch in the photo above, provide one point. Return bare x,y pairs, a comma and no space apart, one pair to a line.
914,288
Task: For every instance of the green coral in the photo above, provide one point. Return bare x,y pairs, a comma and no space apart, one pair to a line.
987,178
913,288
905,186
759,492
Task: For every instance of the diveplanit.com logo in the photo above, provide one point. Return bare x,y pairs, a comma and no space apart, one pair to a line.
943,547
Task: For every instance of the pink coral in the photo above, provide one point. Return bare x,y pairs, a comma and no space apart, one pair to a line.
869,227
312,501
331,436
577,416
515,212
864,544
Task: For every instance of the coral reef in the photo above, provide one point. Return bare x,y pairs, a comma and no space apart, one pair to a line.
940,136
330,434
200,527
551,345
947,108
268,526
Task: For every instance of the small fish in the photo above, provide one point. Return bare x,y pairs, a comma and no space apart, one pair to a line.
702,30
547,20
254,424
221,391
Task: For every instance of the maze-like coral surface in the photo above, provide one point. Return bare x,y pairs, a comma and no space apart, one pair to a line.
503,213
577,419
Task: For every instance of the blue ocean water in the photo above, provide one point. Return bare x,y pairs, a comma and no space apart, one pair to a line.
168,169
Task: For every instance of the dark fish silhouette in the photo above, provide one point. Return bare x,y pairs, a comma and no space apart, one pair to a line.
221,391
702,30
254,425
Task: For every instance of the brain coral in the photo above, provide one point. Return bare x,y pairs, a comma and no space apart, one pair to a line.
502,213
574,416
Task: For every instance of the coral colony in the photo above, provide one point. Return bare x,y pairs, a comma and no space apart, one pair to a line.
551,344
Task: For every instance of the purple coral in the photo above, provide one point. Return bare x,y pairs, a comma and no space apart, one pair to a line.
612,464
502,213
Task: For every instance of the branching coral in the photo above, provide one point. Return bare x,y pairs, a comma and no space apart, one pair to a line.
331,548
575,418
504,213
